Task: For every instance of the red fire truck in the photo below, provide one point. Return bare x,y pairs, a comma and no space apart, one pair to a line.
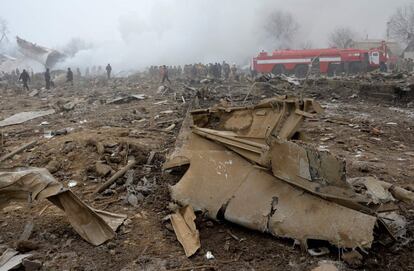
326,61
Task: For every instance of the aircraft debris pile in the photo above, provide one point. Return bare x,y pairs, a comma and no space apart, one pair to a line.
248,166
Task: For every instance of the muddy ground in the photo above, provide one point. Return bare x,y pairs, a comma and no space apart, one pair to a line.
373,132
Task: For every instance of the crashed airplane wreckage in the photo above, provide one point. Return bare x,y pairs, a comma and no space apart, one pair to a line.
47,57
246,166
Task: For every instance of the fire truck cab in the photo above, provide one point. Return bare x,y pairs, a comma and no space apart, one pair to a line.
328,61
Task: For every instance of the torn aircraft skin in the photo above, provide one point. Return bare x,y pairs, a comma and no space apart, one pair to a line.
47,57
185,230
246,167
31,184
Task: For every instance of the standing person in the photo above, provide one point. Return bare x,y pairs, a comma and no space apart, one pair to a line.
69,76
47,78
233,71
226,70
24,76
108,70
164,74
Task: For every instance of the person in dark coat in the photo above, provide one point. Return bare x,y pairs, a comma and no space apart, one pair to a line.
164,74
47,78
69,76
24,76
108,70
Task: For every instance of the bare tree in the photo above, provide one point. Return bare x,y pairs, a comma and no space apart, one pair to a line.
4,30
282,28
75,45
341,37
401,24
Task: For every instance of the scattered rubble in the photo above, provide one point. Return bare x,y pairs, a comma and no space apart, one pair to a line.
336,181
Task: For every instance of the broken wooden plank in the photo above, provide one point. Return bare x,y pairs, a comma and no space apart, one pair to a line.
16,151
116,176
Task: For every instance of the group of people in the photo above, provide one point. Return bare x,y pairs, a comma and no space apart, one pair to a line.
212,70
195,71
69,75
14,75
97,71
25,77
191,71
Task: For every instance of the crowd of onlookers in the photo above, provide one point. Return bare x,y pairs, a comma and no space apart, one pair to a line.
196,71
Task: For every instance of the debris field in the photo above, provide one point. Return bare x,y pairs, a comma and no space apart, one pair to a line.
255,174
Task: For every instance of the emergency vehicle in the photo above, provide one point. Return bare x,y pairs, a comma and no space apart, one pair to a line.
325,61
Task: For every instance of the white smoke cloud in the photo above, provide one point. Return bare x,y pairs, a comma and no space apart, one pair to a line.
132,34
173,33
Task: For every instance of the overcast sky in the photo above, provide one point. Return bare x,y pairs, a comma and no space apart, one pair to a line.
183,30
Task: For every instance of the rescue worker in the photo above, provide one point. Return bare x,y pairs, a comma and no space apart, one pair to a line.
69,76
24,76
108,70
47,78
164,74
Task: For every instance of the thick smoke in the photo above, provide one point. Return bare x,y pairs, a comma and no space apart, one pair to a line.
173,32
180,32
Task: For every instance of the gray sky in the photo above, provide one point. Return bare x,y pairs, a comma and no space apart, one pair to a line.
133,33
